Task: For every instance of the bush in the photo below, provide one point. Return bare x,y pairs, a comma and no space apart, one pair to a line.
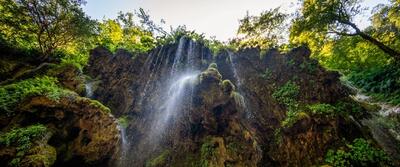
322,109
287,95
22,138
359,153
382,84
123,121
11,95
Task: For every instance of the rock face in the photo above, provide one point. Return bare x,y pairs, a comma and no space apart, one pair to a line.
227,114
80,132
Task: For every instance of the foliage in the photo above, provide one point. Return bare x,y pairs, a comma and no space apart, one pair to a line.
99,105
263,31
359,153
22,138
322,109
112,34
287,95
123,121
11,95
321,22
47,25
381,83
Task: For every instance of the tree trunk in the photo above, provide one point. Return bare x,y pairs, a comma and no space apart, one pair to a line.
391,52
383,47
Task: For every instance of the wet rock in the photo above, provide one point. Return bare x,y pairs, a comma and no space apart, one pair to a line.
82,131
230,117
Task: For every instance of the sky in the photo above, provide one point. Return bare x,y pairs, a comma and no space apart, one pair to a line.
219,18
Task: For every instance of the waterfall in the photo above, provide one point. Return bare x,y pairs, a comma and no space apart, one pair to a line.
89,89
122,161
239,99
166,95
179,88
383,128
178,94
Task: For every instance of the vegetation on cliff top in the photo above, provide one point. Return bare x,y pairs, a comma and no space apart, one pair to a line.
11,95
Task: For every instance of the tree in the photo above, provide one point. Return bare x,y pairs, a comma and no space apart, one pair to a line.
52,23
335,17
124,33
264,30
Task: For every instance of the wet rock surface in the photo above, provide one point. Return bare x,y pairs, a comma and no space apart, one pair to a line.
218,124
80,132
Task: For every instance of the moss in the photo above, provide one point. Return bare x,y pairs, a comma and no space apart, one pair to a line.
41,156
11,95
228,86
99,105
210,73
239,99
322,109
22,139
213,65
123,121
234,147
207,149
160,160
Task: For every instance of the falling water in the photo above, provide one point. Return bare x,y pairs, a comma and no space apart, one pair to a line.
382,127
169,88
124,147
178,92
89,89
239,99
180,87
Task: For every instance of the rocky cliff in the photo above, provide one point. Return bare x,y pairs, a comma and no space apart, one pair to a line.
44,122
186,107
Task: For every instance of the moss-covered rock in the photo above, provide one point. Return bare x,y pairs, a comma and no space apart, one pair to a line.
40,156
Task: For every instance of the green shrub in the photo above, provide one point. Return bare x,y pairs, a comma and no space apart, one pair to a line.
287,95
22,139
346,108
382,84
123,121
322,109
11,95
359,153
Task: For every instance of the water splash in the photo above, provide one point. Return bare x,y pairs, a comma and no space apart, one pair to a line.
178,92
383,128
